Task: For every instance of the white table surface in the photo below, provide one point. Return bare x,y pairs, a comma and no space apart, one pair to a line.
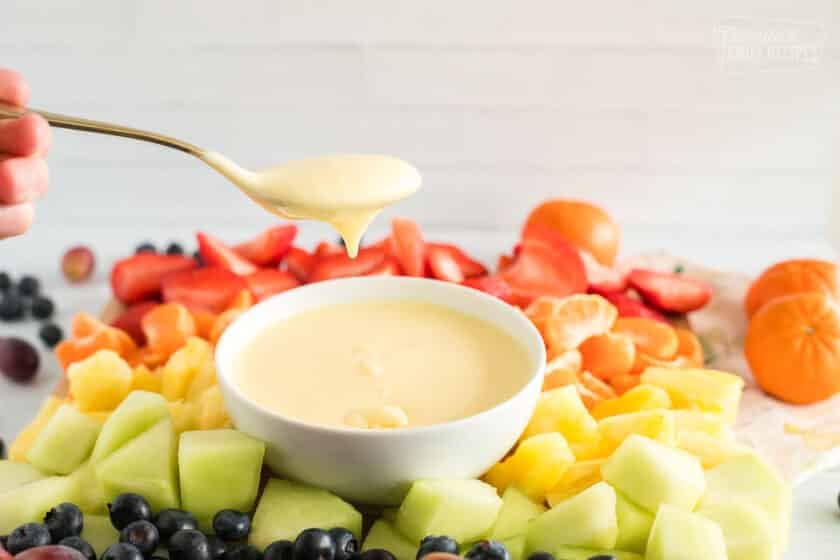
816,522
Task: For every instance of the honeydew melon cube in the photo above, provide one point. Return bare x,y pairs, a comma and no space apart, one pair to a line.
567,553
706,389
29,503
562,411
682,535
517,511
20,447
146,465
14,475
91,497
384,536
515,547
749,479
65,442
137,413
587,520
651,474
219,469
634,525
286,508
463,509
657,425
99,532
578,478
711,450
183,366
748,533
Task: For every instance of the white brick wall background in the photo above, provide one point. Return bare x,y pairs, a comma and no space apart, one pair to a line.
636,105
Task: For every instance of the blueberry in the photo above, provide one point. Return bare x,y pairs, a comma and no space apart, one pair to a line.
142,534
80,544
217,547
128,508
122,551
242,552
189,544
174,249
541,556
11,307
377,554
346,544
64,520
42,307
170,521
432,543
231,525
314,544
145,247
5,282
50,334
29,286
28,536
488,550
279,550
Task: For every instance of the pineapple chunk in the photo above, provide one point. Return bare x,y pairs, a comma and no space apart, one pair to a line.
706,422
20,447
637,399
144,379
535,467
562,411
99,382
211,410
710,450
204,380
184,416
703,389
183,367
657,425
578,478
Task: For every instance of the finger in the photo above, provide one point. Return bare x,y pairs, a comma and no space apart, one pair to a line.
25,136
22,179
15,220
13,89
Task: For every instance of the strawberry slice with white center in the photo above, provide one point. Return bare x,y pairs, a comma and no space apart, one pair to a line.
270,246
215,253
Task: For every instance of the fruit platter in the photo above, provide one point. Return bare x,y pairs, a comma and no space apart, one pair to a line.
645,437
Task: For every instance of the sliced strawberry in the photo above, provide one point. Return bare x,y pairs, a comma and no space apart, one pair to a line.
138,278
129,320
390,266
468,265
209,289
493,285
670,292
215,253
300,263
268,247
545,270
384,244
443,264
266,282
328,249
631,307
409,247
504,261
340,266
602,279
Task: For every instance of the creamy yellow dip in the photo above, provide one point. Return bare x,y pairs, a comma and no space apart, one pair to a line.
381,364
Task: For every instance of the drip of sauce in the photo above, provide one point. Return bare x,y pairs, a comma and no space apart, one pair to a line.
345,191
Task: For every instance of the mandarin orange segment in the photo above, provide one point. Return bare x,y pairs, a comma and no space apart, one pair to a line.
608,355
562,370
644,361
575,318
77,349
592,390
623,383
84,324
690,348
167,328
203,322
656,339
792,277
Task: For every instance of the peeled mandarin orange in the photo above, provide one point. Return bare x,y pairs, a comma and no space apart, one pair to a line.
608,355
575,318
654,338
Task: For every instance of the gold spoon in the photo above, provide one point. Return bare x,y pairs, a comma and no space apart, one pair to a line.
346,191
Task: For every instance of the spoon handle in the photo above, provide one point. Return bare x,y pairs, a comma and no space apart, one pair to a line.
87,125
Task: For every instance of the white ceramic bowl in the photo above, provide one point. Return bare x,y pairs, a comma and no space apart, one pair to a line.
377,466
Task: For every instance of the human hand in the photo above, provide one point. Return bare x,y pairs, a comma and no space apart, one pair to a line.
23,170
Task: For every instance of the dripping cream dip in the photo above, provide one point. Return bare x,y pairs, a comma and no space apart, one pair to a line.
320,372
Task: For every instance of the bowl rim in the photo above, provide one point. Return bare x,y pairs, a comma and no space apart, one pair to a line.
525,326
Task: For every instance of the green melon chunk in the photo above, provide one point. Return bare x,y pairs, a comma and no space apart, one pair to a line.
137,413
587,520
147,465
515,547
747,530
91,496
286,508
219,469
99,532
65,442
517,511
634,525
463,509
566,553
29,503
14,475
383,535
650,474
682,535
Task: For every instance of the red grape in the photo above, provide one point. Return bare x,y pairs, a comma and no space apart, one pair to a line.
77,263
19,360
51,552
